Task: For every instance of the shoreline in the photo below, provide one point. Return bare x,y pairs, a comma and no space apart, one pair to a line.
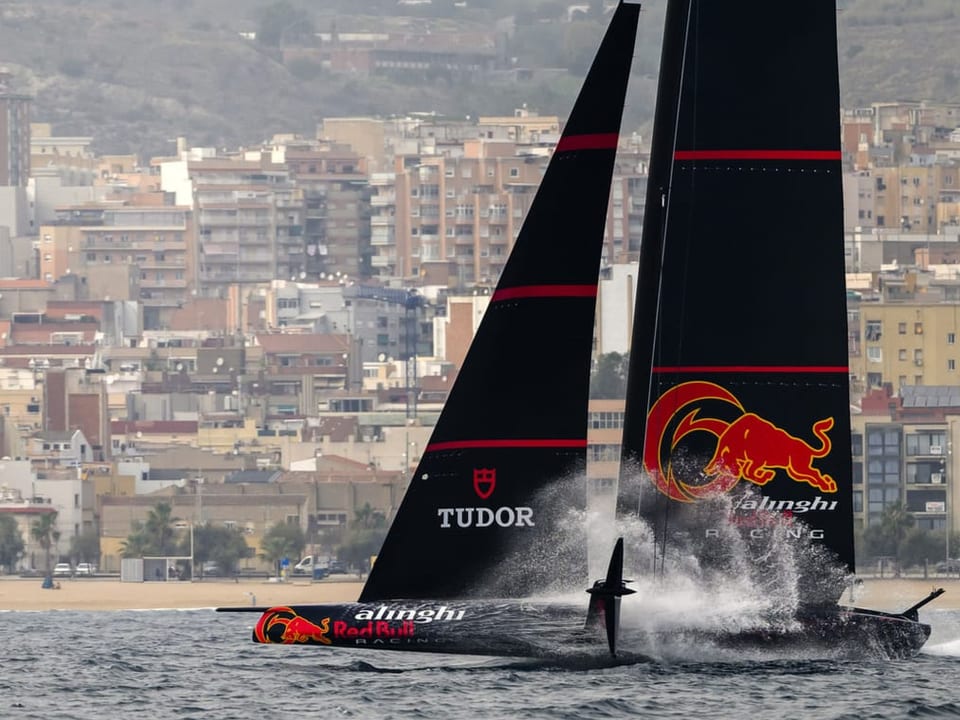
95,594
100,594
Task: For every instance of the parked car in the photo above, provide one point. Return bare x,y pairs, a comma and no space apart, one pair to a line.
85,569
950,566
62,570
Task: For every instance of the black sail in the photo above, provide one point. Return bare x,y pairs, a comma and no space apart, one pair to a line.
739,374
487,510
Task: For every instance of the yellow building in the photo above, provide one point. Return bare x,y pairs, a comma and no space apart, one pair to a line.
905,343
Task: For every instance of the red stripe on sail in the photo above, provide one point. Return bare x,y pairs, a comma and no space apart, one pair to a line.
752,369
479,444
544,291
594,141
757,155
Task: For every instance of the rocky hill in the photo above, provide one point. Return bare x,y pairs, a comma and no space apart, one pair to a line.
134,74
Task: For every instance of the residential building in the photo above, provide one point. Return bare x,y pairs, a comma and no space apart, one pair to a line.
14,133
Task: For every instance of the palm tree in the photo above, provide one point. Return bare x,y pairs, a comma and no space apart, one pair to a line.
45,532
158,528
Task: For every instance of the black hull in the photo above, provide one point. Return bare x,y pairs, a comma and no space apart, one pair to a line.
556,632
841,632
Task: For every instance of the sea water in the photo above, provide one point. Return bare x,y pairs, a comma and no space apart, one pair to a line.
202,664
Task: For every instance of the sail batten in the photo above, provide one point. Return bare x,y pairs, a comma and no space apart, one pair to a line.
512,443
588,141
545,291
771,154
793,369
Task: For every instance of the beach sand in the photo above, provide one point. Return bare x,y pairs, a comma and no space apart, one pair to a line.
111,594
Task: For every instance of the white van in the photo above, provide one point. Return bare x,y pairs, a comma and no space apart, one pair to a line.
304,567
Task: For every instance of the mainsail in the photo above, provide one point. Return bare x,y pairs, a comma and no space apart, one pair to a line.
738,381
485,511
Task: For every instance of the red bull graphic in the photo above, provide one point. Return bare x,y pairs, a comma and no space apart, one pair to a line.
748,447
285,625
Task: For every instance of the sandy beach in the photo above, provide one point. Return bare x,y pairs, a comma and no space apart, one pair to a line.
18,594
111,594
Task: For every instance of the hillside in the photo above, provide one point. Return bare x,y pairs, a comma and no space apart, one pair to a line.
136,74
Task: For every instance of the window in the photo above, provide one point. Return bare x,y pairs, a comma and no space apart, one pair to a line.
926,442
951,338
857,473
856,444
514,172
902,354
902,328
929,472
918,328
874,330
874,354
603,453
951,364
883,440
604,420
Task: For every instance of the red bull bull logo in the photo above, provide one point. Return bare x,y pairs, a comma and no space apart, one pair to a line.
285,625
748,447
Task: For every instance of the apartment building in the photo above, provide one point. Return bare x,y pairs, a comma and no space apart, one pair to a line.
900,343
14,133
141,253
466,210
334,183
903,453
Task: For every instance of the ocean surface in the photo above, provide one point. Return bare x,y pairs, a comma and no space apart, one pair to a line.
202,664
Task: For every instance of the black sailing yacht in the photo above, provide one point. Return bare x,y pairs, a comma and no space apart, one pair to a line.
737,421
736,429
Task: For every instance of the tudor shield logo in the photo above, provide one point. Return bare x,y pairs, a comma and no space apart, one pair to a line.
484,482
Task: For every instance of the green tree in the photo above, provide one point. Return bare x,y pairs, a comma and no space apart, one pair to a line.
609,380
920,546
85,547
156,536
11,543
222,545
44,531
282,24
137,544
159,529
283,540
364,538
885,538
